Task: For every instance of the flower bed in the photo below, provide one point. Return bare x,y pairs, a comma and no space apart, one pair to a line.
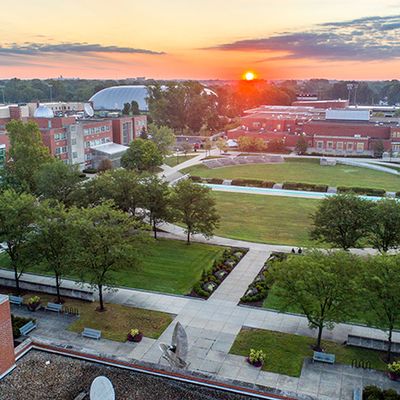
362,191
210,280
257,291
308,187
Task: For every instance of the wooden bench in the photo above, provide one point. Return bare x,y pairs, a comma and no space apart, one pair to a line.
91,333
16,300
54,307
28,327
324,357
357,394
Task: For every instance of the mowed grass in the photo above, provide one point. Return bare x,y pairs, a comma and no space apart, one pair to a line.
285,352
172,161
115,322
169,266
265,219
303,170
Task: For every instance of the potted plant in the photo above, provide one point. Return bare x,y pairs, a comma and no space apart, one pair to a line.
33,303
394,370
256,358
135,335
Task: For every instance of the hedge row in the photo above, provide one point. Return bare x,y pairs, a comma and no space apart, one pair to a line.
308,187
360,190
253,183
376,393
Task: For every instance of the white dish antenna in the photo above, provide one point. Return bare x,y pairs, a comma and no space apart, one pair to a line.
102,389
88,110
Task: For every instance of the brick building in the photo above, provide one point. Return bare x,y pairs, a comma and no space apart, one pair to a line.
330,131
7,354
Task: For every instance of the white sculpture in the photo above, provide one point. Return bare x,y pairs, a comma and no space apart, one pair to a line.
176,353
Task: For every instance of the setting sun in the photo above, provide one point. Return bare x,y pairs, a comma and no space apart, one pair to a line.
249,76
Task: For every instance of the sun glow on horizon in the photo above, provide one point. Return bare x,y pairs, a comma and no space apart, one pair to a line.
249,76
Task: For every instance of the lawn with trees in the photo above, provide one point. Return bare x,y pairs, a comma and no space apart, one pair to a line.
305,171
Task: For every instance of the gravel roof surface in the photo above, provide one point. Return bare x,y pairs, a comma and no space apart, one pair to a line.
64,378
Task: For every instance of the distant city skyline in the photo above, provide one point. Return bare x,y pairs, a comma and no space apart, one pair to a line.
208,39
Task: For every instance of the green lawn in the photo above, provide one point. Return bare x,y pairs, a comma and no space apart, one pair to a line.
269,219
170,266
172,161
303,170
285,353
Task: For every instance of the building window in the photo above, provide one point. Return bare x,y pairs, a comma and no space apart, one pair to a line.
329,145
73,142
126,132
75,154
349,146
320,144
339,145
360,147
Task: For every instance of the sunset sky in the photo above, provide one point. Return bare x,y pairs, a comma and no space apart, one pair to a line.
200,39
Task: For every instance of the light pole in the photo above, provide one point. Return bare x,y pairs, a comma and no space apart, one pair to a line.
51,91
2,91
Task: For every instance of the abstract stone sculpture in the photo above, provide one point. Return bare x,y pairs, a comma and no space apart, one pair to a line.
176,353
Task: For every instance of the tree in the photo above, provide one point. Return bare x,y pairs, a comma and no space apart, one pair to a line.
301,146
384,225
320,285
378,148
380,283
156,201
186,147
53,240
143,134
26,156
127,109
17,216
109,242
207,146
195,208
57,181
142,155
163,137
251,144
135,108
222,145
276,146
342,220
105,165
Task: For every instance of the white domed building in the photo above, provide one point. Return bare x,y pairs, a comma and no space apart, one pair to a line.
43,112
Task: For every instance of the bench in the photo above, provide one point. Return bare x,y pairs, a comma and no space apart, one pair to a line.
324,357
357,394
28,327
54,307
16,300
91,333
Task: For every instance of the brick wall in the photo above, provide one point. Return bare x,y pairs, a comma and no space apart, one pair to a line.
7,356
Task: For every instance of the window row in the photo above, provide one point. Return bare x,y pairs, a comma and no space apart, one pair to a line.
97,129
96,142
348,146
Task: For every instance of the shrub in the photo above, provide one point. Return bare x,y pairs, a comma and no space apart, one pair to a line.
362,191
196,178
394,367
252,182
34,300
309,187
200,291
18,322
256,356
214,181
89,171
376,393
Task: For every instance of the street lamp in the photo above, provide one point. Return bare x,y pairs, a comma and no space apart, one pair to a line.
51,91
2,91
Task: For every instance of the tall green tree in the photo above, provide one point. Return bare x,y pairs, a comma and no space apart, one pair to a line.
142,155
195,208
163,137
126,109
109,242
342,220
26,156
57,181
301,145
135,108
17,217
384,225
156,201
320,285
54,240
379,297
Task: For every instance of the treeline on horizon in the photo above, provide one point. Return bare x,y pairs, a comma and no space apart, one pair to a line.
234,97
